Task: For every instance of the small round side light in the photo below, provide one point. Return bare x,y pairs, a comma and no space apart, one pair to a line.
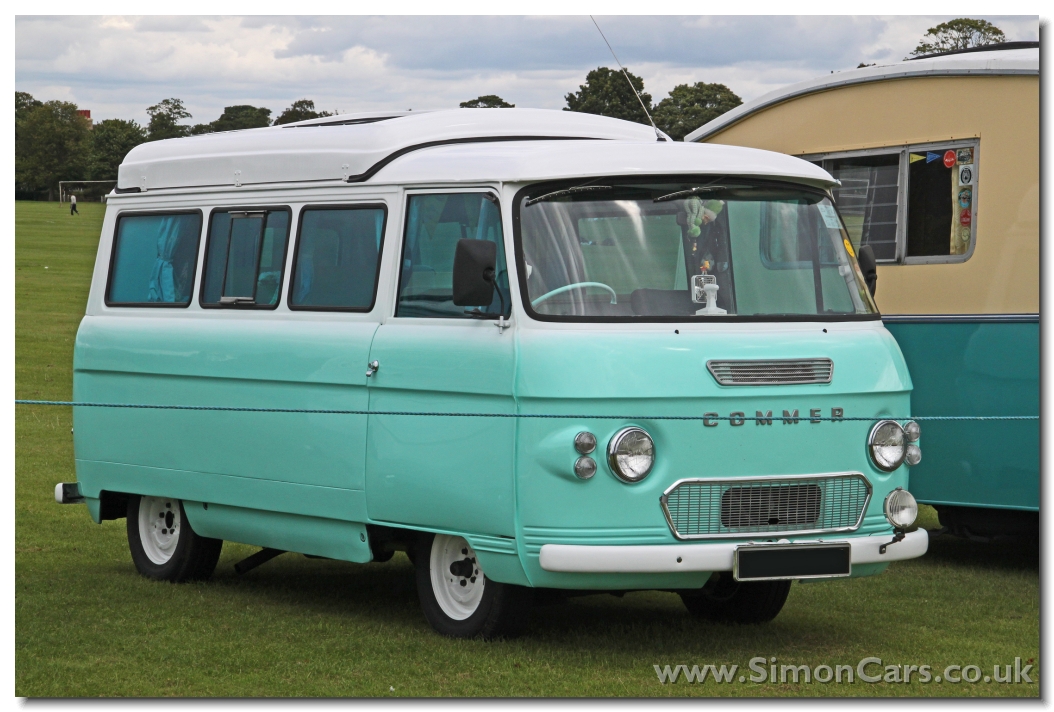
585,467
585,442
913,455
912,431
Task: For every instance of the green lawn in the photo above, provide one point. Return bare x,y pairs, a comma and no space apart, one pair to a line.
88,625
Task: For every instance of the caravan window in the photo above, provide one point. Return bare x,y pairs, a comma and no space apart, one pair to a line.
245,258
154,259
912,203
337,258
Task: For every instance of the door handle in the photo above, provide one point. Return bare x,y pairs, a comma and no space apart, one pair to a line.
373,368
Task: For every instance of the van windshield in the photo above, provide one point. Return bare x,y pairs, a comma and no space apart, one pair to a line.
707,249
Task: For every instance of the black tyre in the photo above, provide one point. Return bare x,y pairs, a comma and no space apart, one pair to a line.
163,545
725,600
458,599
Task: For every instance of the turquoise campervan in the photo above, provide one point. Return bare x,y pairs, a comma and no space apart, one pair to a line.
532,349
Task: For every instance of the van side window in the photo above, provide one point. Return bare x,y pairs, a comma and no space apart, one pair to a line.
154,259
434,224
337,258
245,258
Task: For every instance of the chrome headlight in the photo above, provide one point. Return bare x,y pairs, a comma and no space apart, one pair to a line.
886,444
631,453
901,508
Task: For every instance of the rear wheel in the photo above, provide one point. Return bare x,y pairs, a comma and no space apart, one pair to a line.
725,600
163,545
457,597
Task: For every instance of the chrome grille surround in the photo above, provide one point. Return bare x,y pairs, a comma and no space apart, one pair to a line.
782,372
738,507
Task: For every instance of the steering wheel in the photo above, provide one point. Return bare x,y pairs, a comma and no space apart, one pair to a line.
569,287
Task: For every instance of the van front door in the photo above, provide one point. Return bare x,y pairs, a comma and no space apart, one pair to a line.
443,472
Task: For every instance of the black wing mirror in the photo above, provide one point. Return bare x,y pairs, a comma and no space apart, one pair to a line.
865,256
474,265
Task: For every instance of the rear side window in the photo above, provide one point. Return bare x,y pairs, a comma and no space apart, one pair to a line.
245,258
154,259
337,258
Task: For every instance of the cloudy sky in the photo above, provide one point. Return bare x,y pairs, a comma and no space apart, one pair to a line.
117,66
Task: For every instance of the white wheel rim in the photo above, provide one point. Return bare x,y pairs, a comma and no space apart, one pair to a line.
457,594
159,524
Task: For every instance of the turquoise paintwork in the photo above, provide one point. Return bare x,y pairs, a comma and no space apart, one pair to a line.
655,373
974,368
310,483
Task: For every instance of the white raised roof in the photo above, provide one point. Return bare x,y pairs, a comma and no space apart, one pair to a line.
349,147
522,161
967,63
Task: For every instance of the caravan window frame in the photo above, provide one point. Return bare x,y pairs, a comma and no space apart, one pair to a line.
903,188
202,231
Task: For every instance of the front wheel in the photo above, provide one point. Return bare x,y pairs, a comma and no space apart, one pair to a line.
457,597
725,600
163,545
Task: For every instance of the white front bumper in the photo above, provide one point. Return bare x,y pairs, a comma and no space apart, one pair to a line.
666,558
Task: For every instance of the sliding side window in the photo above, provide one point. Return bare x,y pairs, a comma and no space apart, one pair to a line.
337,258
154,259
245,258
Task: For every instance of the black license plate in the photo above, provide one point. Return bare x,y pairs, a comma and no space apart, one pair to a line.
791,561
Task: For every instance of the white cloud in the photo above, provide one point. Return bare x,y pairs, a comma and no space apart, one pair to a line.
117,66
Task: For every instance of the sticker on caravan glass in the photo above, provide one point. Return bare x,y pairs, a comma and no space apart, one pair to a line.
965,197
964,155
949,158
830,217
964,217
966,174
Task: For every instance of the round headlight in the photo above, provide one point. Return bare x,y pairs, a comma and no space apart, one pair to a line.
631,453
912,431
885,444
585,467
901,508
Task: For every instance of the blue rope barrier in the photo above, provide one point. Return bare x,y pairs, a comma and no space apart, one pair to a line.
317,411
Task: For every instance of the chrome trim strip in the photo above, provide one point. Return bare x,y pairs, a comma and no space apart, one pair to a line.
738,482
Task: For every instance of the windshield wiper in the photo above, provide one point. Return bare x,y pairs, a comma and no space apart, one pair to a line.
568,191
690,191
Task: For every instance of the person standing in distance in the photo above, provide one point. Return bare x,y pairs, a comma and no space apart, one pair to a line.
73,205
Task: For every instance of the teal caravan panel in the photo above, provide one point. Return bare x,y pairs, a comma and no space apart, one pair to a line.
974,366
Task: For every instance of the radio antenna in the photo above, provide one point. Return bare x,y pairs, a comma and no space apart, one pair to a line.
632,88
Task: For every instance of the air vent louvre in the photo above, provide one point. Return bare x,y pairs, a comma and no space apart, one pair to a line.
772,373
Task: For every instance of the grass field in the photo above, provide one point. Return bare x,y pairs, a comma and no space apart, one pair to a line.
88,625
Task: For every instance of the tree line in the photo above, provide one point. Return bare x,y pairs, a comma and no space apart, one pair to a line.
54,142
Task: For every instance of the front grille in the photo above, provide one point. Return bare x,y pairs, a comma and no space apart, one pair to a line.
816,503
772,373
